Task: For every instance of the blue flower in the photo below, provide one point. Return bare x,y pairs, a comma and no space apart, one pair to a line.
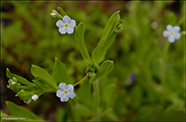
65,92
172,33
67,25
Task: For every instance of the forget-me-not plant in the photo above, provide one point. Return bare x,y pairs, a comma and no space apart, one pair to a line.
65,92
66,26
172,33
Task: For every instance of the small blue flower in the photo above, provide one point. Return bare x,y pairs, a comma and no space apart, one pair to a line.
67,25
172,33
65,92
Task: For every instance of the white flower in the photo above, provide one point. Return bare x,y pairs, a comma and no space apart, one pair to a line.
13,83
65,92
67,25
172,33
53,14
34,97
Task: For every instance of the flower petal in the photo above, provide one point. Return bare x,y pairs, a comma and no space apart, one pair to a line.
72,24
70,30
177,35
60,93
63,86
171,39
64,98
71,95
166,33
66,19
60,23
169,27
70,88
177,28
62,30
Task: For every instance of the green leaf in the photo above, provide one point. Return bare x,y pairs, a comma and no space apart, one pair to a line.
19,78
62,11
83,110
105,68
109,113
60,73
21,112
107,87
108,94
14,87
6,117
84,94
3,115
25,96
79,36
171,17
41,84
43,74
107,38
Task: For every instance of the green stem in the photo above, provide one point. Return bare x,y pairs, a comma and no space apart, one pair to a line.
96,96
163,70
82,80
165,51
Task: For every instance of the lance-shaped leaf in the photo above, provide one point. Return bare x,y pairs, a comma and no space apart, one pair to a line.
43,74
40,83
105,68
79,35
19,78
21,112
60,73
107,38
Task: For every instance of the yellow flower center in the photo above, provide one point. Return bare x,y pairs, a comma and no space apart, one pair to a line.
172,33
66,92
66,25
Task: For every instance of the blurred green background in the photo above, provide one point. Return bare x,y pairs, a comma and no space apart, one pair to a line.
29,36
